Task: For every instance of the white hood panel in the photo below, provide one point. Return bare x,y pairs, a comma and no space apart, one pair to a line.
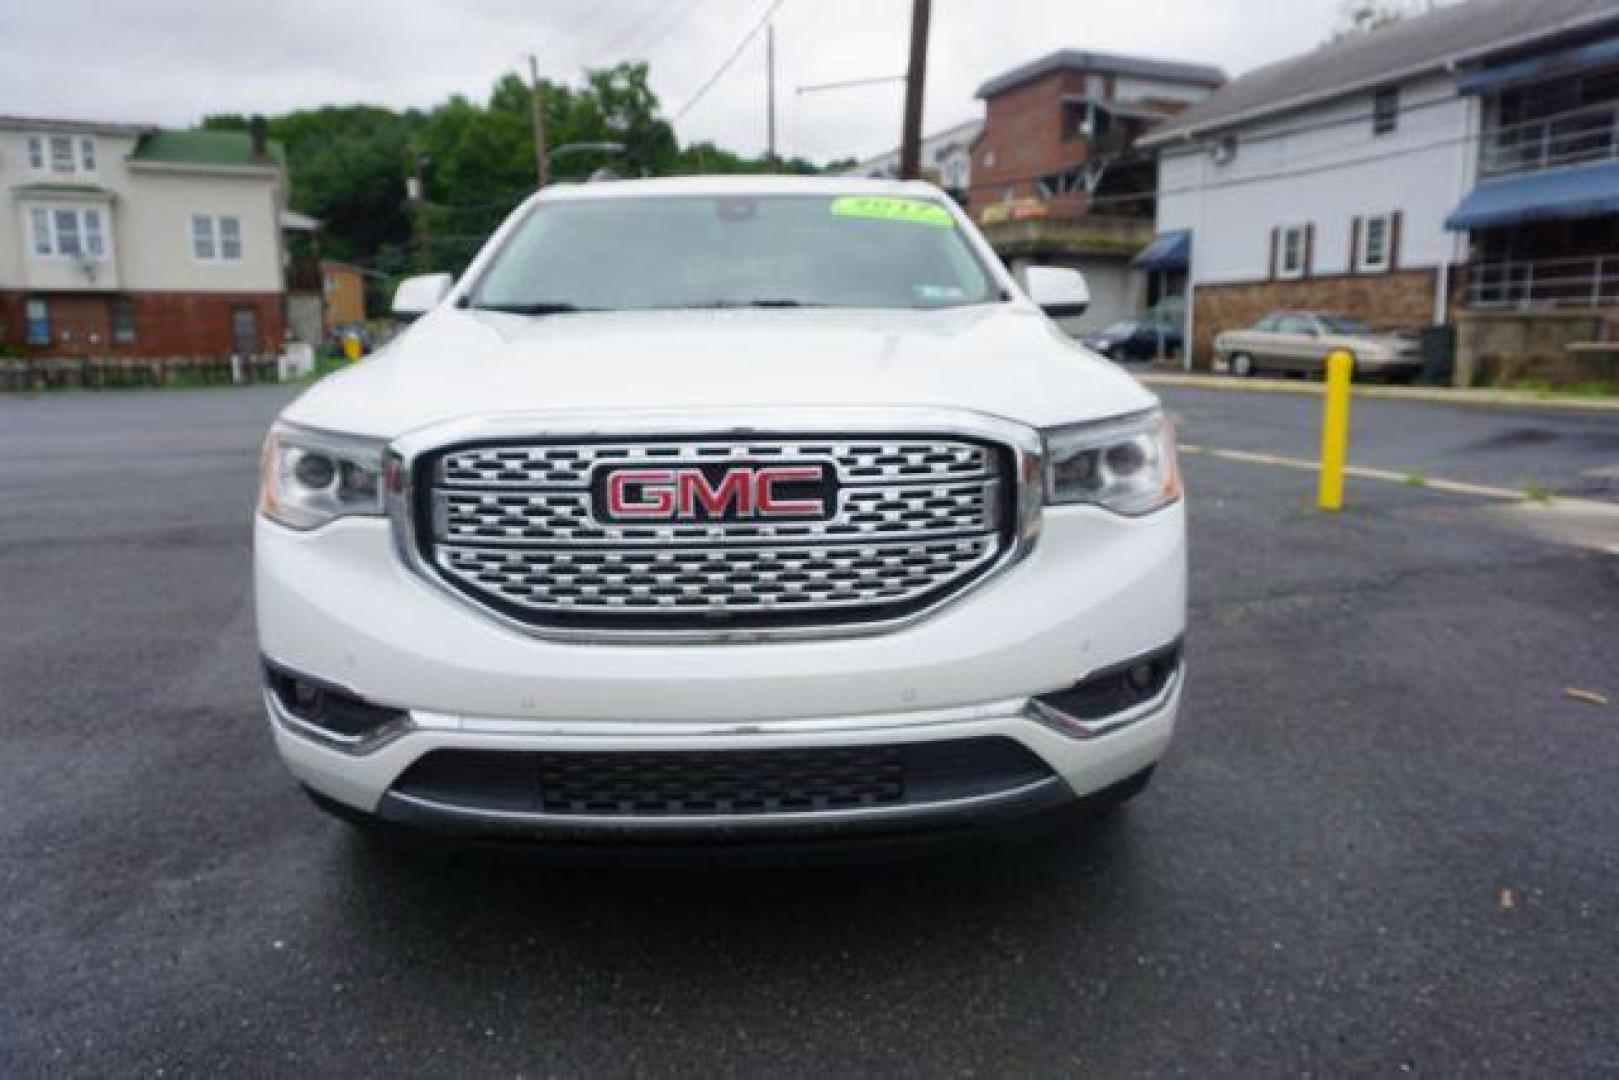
1002,359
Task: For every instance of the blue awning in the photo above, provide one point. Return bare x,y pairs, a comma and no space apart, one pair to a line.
1168,251
1590,55
1554,195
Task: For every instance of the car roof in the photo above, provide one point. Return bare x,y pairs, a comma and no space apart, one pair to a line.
741,185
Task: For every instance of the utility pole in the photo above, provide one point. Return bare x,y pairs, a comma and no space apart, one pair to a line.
536,104
910,142
416,194
770,97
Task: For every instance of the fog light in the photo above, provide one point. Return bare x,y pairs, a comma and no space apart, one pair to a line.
329,711
1093,704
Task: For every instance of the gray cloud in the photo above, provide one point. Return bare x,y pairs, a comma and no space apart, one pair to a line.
173,61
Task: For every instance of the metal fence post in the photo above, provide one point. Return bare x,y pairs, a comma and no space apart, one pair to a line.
1335,431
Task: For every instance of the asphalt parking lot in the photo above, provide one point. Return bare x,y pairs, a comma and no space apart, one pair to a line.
1386,839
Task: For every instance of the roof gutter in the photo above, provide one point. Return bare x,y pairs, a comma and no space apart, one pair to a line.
1444,63
189,168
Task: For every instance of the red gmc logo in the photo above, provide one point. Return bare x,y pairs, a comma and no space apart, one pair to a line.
714,492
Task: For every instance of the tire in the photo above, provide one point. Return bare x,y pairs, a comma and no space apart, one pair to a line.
1242,366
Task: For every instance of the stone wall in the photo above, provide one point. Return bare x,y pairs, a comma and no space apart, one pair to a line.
1398,300
1496,347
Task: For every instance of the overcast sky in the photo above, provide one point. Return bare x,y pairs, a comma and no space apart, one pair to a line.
174,61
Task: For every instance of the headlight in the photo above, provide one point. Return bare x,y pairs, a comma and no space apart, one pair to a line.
1127,465
307,478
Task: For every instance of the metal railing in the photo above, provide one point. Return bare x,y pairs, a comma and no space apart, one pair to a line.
1545,283
1577,137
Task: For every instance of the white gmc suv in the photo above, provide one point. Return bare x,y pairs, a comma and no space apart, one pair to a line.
724,509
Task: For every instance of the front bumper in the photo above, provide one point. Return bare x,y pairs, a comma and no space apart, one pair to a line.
1096,590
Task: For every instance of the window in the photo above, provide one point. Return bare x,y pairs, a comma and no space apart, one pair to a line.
1295,324
1295,251
215,238
66,224
122,317
87,154
202,238
38,317
36,153
1376,242
1085,119
1385,110
68,233
230,238
62,154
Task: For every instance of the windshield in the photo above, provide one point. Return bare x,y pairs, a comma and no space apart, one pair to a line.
734,251
1338,324
1120,329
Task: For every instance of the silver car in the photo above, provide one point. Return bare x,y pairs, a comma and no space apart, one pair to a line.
1299,342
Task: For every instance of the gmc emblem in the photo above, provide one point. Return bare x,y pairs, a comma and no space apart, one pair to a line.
713,492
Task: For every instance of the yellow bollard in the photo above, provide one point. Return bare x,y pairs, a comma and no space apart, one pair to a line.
1335,431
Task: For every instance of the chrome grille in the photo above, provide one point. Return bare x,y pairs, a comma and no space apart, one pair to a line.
569,465
915,511
513,525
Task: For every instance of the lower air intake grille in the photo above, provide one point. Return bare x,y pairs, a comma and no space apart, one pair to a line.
709,783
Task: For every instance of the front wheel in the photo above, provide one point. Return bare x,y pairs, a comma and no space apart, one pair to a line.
1242,365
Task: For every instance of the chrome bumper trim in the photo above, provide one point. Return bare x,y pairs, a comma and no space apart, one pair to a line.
1074,726
356,745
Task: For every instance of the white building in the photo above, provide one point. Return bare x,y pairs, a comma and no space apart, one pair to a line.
124,240
946,157
1424,173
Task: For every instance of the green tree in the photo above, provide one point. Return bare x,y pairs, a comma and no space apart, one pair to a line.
348,165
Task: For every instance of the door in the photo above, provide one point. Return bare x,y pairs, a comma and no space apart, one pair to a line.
1295,343
244,331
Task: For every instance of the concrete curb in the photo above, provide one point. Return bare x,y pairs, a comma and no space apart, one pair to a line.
1432,394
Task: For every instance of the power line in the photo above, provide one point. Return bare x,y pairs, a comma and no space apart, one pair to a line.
725,65
629,31
662,32
848,83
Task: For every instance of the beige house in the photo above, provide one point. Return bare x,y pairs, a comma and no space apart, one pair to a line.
125,240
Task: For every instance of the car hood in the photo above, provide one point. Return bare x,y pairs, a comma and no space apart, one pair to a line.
1002,359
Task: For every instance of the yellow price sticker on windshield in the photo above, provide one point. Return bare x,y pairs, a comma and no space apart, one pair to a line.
884,208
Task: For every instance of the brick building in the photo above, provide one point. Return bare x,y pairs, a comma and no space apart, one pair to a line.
125,240
1056,174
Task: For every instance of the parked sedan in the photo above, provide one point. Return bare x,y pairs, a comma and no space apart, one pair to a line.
1299,341
1136,339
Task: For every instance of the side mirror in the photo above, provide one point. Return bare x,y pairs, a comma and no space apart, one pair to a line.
416,296
1059,290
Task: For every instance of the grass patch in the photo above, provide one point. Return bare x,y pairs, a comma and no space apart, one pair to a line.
1542,388
324,366
1537,494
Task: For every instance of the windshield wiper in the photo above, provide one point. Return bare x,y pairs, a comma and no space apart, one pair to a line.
761,303
537,307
